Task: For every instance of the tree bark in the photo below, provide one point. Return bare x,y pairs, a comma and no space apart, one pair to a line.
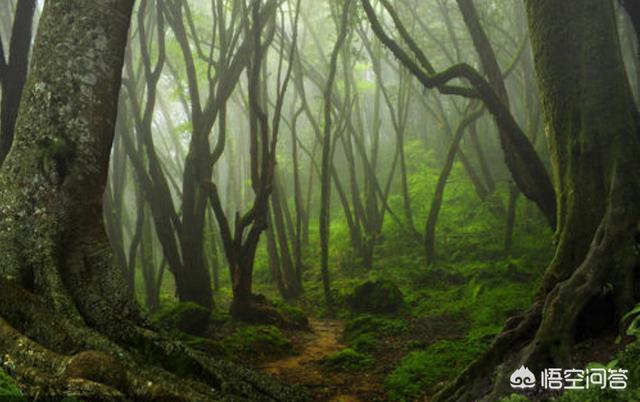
524,164
53,239
591,124
61,291
436,202
325,180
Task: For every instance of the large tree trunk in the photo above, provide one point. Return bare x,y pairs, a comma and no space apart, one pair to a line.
60,289
53,240
592,128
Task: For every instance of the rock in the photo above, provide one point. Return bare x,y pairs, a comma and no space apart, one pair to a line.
98,367
376,297
258,310
187,317
293,317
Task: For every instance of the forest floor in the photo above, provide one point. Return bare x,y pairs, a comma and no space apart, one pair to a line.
311,366
308,369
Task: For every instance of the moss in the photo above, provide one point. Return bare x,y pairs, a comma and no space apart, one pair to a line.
9,390
212,347
349,360
98,367
421,371
364,343
293,317
373,325
376,297
187,317
514,398
257,339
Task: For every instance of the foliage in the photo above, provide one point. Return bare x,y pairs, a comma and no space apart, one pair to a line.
366,342
184,316
349,359
514,398
421,371
257,339
8,388
294,317
376,297
372,325
634,325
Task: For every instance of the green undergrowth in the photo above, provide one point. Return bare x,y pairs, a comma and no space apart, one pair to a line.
349,360
184,316
628,359
9,391
372,325
293,316
362,333
473,281
258,340
421,371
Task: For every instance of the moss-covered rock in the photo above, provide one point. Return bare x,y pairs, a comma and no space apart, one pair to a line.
349,359
376,297
374,326
293,317
366,342
258,340
187,317
97,367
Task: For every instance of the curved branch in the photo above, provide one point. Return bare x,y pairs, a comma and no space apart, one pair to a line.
526,167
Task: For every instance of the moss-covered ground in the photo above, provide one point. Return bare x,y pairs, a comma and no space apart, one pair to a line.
449,314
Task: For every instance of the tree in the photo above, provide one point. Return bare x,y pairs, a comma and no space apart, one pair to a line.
524,164
53,240
593,132
240,240
61,289
325,178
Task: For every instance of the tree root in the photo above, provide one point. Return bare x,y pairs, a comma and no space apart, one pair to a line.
51,356
545,335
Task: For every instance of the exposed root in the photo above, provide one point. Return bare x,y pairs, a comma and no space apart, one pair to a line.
545,335
155,366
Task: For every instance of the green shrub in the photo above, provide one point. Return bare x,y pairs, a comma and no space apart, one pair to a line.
599,395
187,317
349,359
375,325
379,296
421,371
364,343
257,339
294,317
8,389
514,398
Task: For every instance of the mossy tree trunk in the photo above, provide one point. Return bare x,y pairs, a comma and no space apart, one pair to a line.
52,238
60,290
592,128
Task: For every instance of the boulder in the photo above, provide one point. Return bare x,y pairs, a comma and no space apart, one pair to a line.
377,297
188,317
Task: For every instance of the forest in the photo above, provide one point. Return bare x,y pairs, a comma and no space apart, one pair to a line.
320,200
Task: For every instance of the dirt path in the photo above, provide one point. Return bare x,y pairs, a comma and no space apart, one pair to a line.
306,368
